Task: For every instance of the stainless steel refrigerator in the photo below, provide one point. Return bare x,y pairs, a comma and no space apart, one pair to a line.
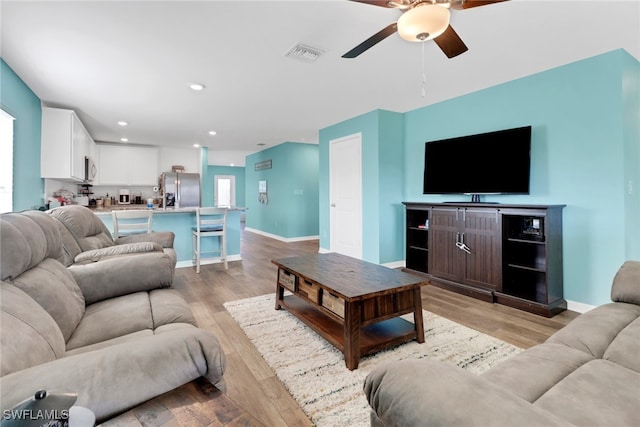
180,190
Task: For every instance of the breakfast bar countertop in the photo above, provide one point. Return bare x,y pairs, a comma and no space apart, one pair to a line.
156,210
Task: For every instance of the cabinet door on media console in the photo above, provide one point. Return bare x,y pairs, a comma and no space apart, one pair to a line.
483,266
465,246
445,258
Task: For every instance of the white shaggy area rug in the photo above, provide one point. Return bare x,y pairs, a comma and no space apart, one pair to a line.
314,371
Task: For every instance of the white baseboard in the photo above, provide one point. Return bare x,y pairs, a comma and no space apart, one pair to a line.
205,261
579,307
324,251
282,239
395,264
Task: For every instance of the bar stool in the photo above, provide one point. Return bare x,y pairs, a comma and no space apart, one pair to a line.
127,222
210,222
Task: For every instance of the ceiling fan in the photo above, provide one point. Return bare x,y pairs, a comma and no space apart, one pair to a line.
421,20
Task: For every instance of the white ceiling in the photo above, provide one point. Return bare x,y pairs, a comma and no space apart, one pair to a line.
125,60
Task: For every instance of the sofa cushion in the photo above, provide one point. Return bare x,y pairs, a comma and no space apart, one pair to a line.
169,307
128,338
29,336
626,283
124,315
531,373
84,225
592,332
27,239
70,247
625,349
53,287
598,393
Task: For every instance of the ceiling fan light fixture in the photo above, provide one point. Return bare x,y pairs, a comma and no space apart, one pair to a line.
423,22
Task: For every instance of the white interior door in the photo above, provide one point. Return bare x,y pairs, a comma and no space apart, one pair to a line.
224,190
345,195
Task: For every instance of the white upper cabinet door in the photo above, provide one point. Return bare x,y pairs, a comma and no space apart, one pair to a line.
64,145
127,165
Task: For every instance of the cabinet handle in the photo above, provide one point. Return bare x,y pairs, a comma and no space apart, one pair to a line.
461,245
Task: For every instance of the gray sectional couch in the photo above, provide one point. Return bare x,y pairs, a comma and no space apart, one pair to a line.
111,329
586,374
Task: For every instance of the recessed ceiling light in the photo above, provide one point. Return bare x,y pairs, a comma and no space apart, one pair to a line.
196,145
122,123
212,132
196,86
124,139
231,164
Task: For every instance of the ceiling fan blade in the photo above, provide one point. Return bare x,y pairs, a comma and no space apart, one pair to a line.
450,43
468,4
381,3
372,41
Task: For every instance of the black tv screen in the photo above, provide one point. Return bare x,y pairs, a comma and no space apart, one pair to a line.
488,163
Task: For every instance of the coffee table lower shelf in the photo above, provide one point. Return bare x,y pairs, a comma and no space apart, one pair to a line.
373,337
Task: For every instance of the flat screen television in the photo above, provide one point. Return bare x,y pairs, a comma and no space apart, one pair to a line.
496,162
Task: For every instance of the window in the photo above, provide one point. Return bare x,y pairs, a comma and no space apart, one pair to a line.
6,162
224,190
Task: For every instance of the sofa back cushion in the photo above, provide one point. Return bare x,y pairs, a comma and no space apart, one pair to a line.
86,228
52,286
626,283
625,348
29,336
70,246
27,239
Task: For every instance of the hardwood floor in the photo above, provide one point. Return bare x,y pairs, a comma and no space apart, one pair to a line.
254,395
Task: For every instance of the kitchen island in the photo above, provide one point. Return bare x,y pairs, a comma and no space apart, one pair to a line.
180,221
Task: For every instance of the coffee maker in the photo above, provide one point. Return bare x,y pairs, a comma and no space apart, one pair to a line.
124,197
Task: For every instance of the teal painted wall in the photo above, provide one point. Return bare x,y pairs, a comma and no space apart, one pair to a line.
18,100
292,186
382,183
584,153
577,158
239,174
631,135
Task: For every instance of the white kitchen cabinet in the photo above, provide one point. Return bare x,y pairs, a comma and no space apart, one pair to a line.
65,143
127,165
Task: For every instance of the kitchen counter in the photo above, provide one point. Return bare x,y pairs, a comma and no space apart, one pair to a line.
107,210
180,221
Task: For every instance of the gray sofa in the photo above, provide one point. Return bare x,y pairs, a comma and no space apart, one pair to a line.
113,331
85,238
586,374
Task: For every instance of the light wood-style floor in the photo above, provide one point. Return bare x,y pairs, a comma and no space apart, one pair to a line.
254,395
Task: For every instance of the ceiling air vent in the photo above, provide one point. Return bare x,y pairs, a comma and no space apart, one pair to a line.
304,53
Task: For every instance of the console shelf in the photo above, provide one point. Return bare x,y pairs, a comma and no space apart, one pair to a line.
509,254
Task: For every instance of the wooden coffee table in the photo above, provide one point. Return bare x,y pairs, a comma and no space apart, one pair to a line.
353,304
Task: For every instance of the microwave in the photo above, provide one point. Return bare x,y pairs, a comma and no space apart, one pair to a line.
90,169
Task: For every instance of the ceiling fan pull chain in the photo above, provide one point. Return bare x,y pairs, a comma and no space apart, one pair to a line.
424,76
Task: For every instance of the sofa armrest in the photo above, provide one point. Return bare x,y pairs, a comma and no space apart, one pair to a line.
96,255
123,275
432,393
163,238
118,377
